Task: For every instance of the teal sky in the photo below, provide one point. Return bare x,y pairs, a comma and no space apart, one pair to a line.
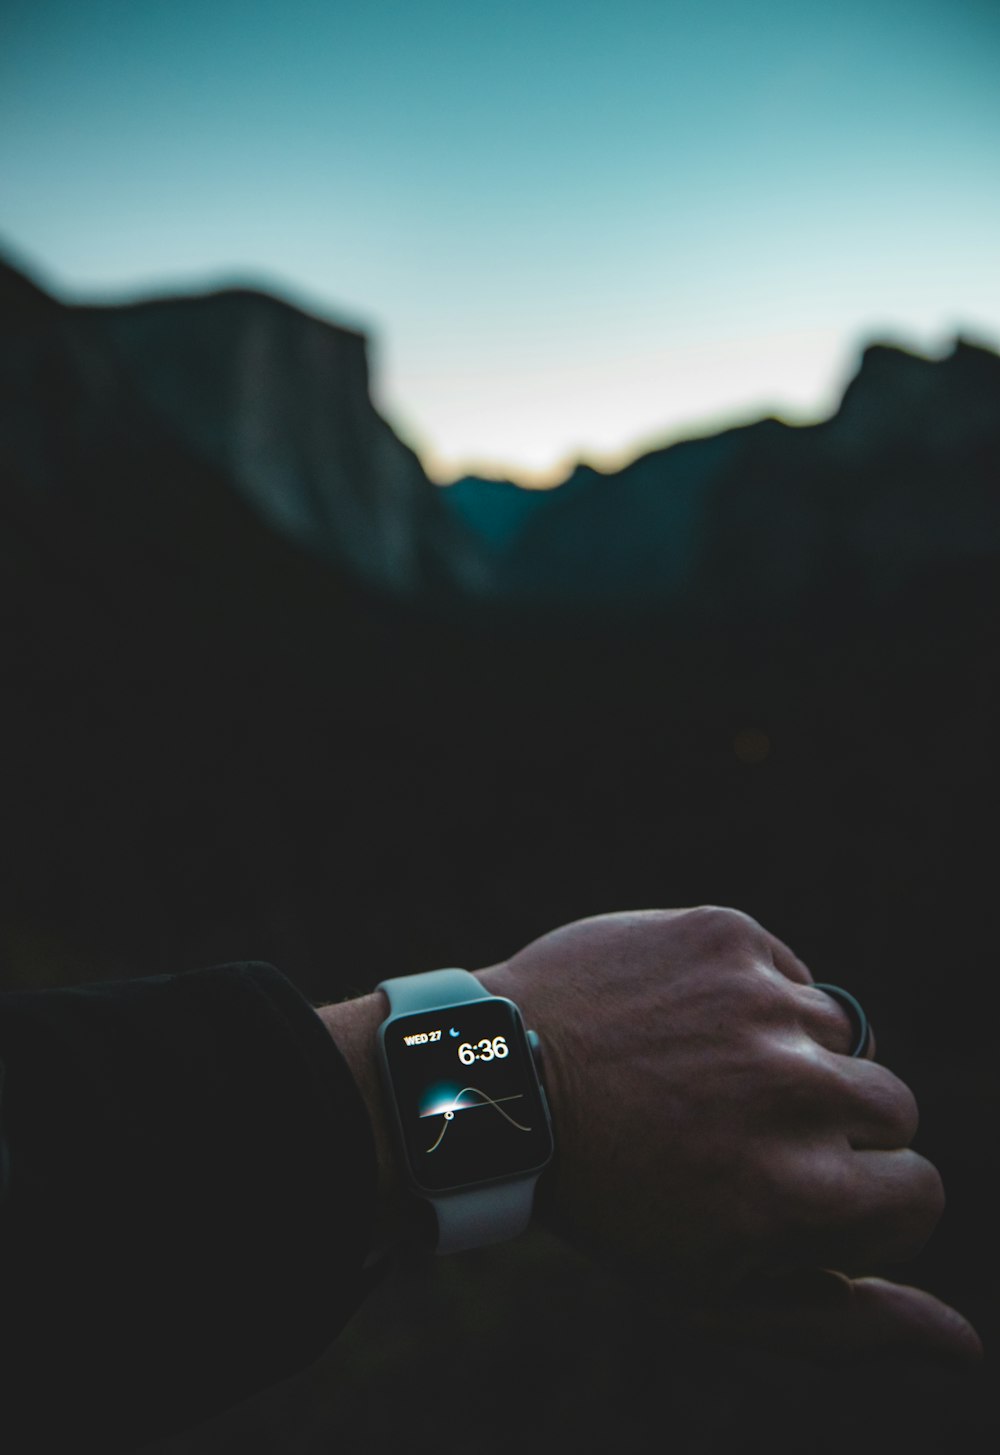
572,227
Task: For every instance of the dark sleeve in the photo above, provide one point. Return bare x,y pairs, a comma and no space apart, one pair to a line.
188,1178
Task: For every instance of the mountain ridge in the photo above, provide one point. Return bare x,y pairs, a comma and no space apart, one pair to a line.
276,402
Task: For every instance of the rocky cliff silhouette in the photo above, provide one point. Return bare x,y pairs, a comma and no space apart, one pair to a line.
902,476
275,405
235,384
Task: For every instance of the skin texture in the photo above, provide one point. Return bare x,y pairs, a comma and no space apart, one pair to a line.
715,1141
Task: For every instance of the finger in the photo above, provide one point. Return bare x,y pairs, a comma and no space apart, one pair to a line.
858,1210
875,1110
832,1100
861,1102
825,1315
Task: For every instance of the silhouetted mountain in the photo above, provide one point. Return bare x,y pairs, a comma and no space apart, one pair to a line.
278,403
275,405
903,475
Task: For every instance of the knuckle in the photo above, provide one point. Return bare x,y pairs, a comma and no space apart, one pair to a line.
807,1193
761,1002
907,1113
888,1100
724,928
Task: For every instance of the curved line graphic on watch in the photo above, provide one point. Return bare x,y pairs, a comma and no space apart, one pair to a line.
448,1115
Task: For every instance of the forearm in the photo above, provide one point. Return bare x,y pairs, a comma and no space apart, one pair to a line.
190,1156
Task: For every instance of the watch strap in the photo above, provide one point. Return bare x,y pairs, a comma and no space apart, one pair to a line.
484,1215
408,993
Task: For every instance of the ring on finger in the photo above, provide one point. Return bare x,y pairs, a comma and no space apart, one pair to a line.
859,1021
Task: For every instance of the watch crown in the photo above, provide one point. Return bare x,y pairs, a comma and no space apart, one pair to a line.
534,1041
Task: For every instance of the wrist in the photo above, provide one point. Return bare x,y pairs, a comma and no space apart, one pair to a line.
353,1025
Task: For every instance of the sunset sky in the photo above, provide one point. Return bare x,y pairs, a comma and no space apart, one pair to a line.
572,228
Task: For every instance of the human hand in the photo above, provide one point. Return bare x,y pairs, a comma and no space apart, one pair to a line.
716,1142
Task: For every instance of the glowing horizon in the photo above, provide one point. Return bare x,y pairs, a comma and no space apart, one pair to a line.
673,396
804,383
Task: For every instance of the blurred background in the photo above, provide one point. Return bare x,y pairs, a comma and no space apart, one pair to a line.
463,468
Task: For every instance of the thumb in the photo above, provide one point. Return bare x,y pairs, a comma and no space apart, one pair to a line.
825,1315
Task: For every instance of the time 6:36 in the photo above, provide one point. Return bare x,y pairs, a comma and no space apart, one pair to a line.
484,1050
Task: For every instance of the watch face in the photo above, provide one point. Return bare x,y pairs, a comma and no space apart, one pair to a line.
466,1094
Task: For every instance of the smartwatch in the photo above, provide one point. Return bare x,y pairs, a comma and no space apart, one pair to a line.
469,1113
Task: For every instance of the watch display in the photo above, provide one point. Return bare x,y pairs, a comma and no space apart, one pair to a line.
468,1101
